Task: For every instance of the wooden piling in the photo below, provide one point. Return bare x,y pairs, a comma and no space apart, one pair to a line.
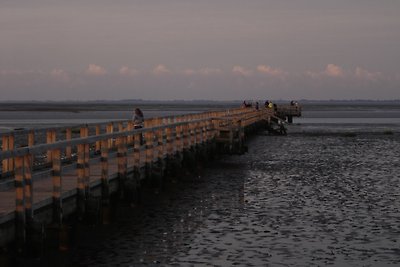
28,188
105,188
81,197
84,132
149,152
122,163
20,219
56,174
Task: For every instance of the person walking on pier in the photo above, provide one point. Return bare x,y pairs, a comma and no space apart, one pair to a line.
138,119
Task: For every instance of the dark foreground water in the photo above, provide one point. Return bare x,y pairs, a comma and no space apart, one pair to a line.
307,199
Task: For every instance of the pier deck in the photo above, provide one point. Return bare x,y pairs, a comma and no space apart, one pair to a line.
103,160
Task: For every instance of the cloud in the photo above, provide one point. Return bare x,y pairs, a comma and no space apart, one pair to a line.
126,71
239,70
60,75
202,71
161,69
210,71
366,75
189,72
95,70
333,70
265,69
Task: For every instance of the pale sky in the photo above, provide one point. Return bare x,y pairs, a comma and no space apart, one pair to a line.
199,49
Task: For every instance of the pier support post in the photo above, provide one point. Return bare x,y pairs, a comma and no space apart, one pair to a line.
84,132
56,177
81,197
20,215
105,189
149,153
122,165
137,151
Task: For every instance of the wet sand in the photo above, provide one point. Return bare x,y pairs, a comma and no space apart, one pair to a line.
299,200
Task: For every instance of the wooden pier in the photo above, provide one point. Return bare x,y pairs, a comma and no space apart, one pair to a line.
50,174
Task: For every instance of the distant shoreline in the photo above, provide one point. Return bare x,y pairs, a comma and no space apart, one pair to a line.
125,105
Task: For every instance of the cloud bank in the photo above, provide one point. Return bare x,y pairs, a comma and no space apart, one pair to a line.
260,82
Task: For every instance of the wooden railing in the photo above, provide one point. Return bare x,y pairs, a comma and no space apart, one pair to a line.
31,137
289,110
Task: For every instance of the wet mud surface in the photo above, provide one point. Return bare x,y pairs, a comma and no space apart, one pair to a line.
301,200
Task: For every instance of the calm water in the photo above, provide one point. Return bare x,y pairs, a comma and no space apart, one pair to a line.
326,194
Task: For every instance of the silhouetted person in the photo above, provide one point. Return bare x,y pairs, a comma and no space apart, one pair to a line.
138,119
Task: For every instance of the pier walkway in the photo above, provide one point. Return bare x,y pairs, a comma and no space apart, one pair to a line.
49,174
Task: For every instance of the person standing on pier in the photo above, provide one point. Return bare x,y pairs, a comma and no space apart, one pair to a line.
138,119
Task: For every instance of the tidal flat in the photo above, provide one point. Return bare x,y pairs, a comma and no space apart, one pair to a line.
300,200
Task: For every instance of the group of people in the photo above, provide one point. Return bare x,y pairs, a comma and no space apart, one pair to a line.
267,104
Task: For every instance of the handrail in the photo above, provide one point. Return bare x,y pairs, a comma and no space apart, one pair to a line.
92,139
44,129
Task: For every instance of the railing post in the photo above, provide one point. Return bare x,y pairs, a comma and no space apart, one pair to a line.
68,149
98,143
50,138
110,129
130,127
31,138
8,145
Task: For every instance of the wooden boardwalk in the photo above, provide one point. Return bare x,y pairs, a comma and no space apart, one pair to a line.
76,167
